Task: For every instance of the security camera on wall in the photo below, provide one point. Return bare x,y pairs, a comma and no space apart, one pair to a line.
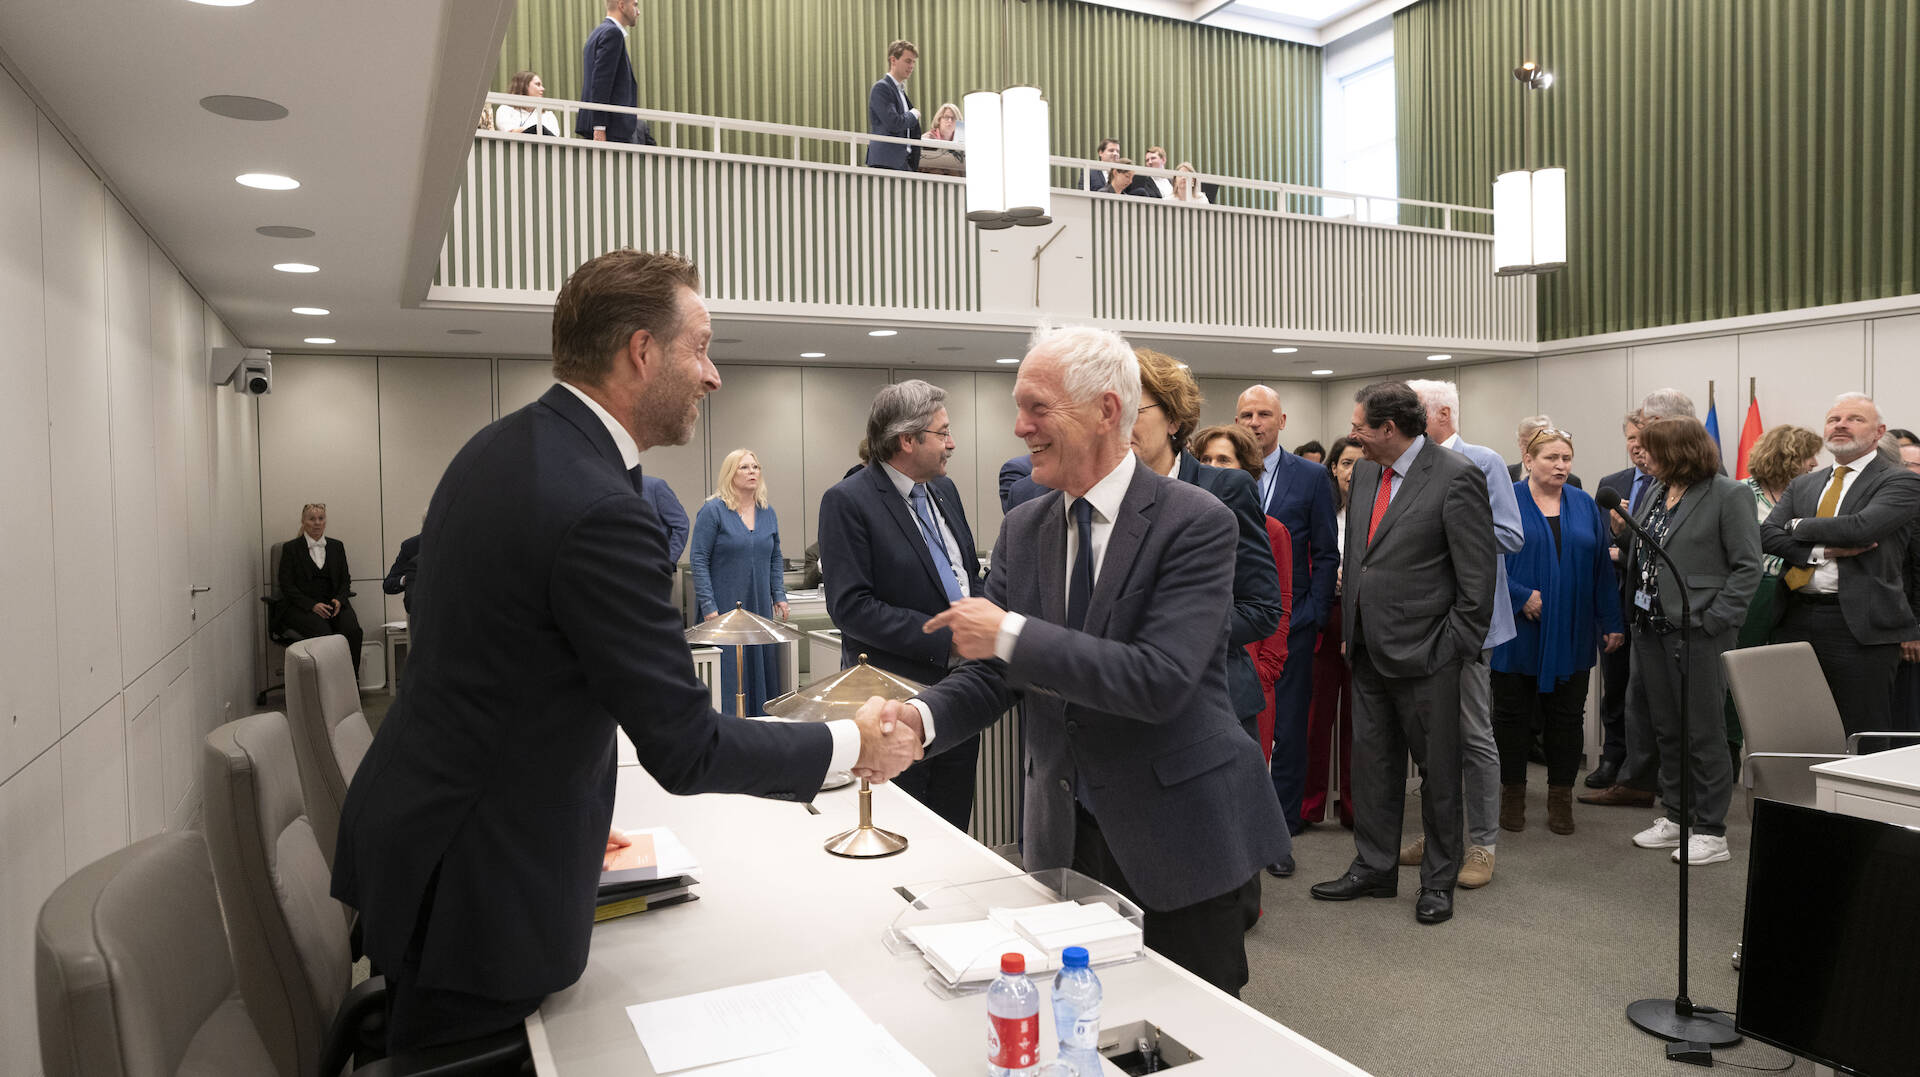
250,370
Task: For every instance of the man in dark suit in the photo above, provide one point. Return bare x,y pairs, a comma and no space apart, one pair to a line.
1846,530
891,112
1107,608
1417,599
1109,151
1016,483
1631,483
472,836
672,516
607,79
1298,493
400,577
1125,181
314,584
902,552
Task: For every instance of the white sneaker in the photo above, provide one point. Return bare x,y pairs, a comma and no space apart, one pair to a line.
1704,849
1663,834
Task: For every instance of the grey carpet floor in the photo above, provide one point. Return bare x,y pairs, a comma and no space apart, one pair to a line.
1533,974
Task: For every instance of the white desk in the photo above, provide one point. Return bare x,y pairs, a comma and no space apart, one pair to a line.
1883,786
774,904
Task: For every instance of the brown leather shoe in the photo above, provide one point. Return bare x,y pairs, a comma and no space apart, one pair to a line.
1560,809
1513,806
1624,796
1413,852
1476,870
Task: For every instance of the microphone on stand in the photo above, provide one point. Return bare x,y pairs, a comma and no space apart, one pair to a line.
1693,1030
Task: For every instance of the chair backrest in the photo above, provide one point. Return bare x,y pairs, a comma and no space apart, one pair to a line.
1782,700
132,971
330,731
289,935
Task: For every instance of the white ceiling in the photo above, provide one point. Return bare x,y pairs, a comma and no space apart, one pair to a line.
379,97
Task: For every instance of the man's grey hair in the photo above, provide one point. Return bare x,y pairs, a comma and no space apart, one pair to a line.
903,409
1093,361
1532,425
1435,395
1889,449
1850,398
1667,404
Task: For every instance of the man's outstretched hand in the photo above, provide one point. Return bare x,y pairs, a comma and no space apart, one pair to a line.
889,739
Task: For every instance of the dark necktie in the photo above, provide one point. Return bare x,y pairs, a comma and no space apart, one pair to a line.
1080,585
633,475
1640,484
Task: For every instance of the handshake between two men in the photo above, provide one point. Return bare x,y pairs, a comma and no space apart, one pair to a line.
891,733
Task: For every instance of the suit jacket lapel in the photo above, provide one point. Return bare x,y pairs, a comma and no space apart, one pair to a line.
1858,493
562,400
957,523
1365,487
1694,495
1411,486
903,517
1123,545
1051,542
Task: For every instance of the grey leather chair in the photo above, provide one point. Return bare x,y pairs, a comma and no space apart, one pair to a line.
330,730
132,971
1789,720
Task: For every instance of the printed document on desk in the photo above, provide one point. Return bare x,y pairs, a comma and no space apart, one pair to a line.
746,1021
872,1052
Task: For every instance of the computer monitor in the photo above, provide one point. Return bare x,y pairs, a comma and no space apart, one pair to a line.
1830,966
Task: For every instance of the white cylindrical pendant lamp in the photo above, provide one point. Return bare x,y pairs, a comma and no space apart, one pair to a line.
1512,223
986,159
1024,119
1549,219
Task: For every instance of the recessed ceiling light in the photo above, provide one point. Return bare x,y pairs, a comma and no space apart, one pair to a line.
883,332
813,355
1006,360
266,181
1442,357
321,340
296,267
284,231
1323,372
463,332
315,311
236,107
1285,351
222,3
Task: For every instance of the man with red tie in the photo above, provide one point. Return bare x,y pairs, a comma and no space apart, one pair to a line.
1417,598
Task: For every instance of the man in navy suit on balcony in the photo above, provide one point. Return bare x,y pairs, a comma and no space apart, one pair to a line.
891,112
608,80
1298,493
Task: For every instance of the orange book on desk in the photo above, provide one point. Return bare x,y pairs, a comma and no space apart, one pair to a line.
637,862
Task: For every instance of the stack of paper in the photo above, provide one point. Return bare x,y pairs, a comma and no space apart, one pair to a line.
654,871
795,1026
969,951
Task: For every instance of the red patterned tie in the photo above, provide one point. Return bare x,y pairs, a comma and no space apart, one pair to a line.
1380,502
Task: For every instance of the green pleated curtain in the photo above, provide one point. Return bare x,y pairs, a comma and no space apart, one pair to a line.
1231,103
1724,157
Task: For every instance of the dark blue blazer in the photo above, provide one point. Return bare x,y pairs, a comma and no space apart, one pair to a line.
1302,500
660,496
1256,589
1621,482
607,79
1141,187
400,576
494,770
886,117
882,583
1016,482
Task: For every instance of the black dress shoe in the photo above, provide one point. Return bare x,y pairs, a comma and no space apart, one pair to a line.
1603,775
1281,869
1434,906
1350,886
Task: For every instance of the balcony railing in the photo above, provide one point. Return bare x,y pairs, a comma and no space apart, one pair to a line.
783,219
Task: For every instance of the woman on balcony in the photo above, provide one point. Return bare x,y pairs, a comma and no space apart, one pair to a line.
946,128
526,121
1187,188
735,555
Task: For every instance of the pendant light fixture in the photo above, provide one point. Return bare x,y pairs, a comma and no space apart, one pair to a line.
1007,152
1529,205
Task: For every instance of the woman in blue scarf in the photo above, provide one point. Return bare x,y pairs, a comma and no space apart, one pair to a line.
1566,606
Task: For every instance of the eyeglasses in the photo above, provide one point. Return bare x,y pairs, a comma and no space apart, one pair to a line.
943,435
1149,407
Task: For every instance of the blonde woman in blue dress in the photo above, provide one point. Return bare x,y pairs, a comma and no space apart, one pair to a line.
735,556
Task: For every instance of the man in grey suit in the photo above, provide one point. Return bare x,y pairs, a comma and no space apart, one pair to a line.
1107,606
1417,596
1846,532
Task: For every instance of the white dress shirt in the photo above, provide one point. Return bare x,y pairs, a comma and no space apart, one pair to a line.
1165,185
1826,570
317,549
905,487
846,735
509,118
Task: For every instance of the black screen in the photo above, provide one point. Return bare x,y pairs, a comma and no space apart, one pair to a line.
1830,968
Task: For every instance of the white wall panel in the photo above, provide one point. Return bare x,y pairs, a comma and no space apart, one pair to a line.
146,795
758,408
993,418
93,785
1587,396
429,408
72,237
966,464
320,441
1896,370
36,862
1799,372
170,388
832,408
29,695
1494,397
199,403
131,371
236,487
522,381
1688,365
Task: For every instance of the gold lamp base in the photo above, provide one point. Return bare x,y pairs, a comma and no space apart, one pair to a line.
866,840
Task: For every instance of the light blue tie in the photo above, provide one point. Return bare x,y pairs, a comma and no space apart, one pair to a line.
936,546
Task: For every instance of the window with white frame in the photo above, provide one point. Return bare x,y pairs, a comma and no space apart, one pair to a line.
1360,143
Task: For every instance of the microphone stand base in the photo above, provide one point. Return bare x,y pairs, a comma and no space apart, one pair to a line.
1662,1017
866,841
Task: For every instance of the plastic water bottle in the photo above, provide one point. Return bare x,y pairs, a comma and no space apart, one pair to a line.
1013,1021
1076,1013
